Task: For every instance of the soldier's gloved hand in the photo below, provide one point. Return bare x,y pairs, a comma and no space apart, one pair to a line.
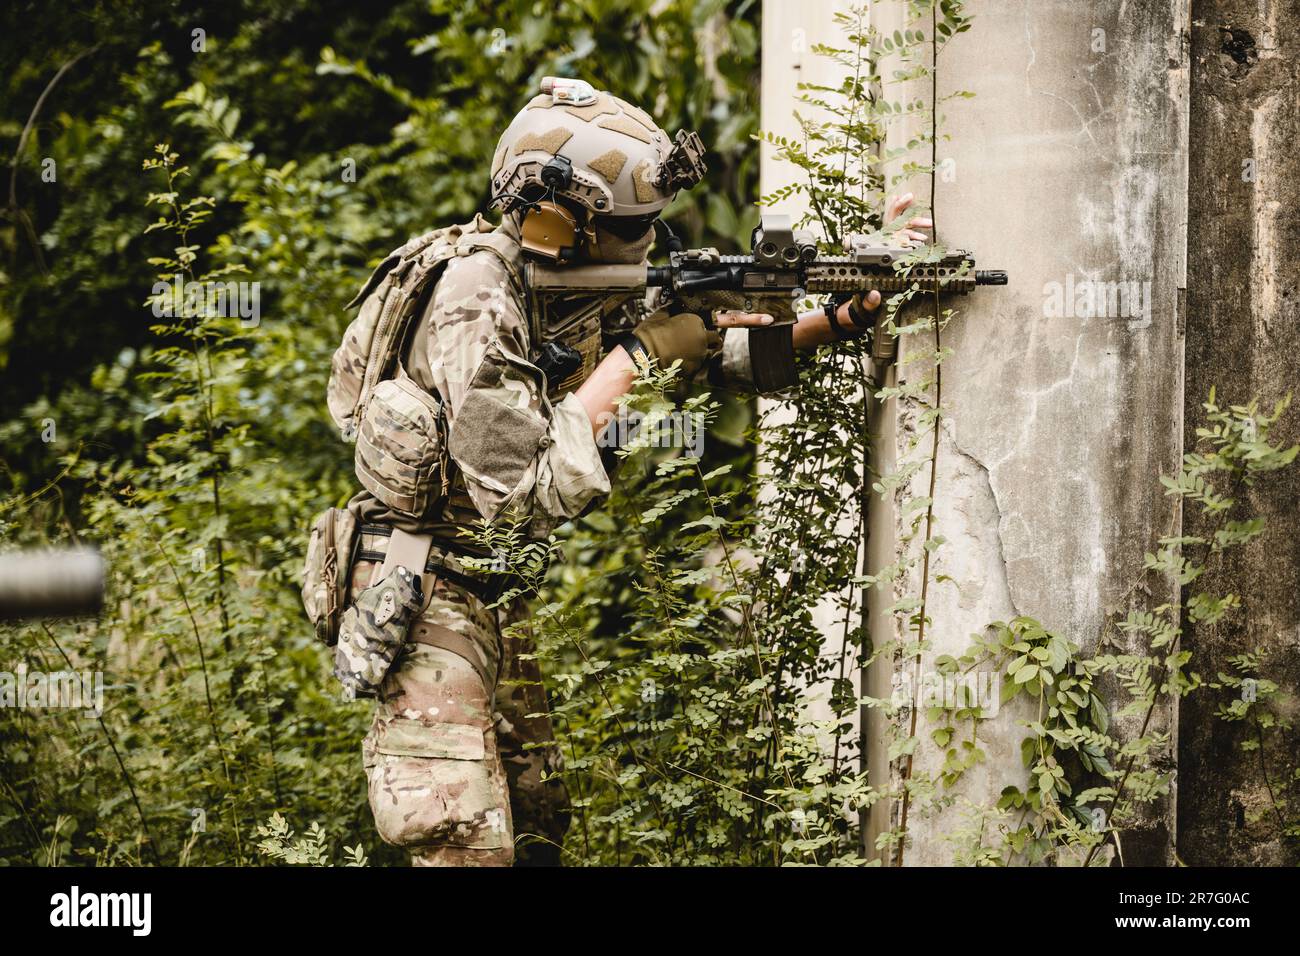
669,338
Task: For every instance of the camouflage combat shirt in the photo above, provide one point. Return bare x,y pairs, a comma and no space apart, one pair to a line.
517,453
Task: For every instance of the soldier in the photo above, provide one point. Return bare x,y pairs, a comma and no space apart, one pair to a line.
581,176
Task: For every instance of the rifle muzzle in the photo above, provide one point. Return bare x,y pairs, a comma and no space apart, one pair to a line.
53,583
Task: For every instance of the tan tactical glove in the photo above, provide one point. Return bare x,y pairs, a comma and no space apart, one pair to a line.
668,338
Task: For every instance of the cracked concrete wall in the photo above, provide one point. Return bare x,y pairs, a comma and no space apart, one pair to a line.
1070,168
1243,336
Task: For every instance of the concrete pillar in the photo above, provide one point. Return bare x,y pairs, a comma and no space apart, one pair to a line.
1070,166
1243,336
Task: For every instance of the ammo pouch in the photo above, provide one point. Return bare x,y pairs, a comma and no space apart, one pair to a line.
373,630
401,454
325,577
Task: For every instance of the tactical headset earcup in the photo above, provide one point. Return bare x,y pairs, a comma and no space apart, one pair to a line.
549,229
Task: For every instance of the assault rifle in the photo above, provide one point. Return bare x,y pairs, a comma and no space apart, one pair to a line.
783,268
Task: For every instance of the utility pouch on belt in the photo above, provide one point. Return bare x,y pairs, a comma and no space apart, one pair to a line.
374,628
325,576
373,631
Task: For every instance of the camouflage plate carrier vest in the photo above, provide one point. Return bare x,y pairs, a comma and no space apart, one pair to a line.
398,427
390,300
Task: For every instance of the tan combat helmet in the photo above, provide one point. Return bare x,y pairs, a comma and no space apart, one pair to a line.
575,150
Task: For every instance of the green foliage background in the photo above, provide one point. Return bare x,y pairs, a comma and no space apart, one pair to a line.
194,454
683,627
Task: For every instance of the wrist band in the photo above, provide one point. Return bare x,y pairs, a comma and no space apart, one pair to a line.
832,309
634,347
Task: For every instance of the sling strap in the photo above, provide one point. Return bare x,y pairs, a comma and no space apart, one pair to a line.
435,635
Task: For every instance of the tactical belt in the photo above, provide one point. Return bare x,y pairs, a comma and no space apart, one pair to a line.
413,551
416,552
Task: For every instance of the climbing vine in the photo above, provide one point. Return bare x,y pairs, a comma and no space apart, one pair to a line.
890,93
1087,782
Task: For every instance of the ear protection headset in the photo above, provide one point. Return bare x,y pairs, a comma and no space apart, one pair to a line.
549,227
558,231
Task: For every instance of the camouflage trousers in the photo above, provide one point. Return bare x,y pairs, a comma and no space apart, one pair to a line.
456,769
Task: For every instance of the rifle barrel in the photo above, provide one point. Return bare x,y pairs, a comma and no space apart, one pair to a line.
51,583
